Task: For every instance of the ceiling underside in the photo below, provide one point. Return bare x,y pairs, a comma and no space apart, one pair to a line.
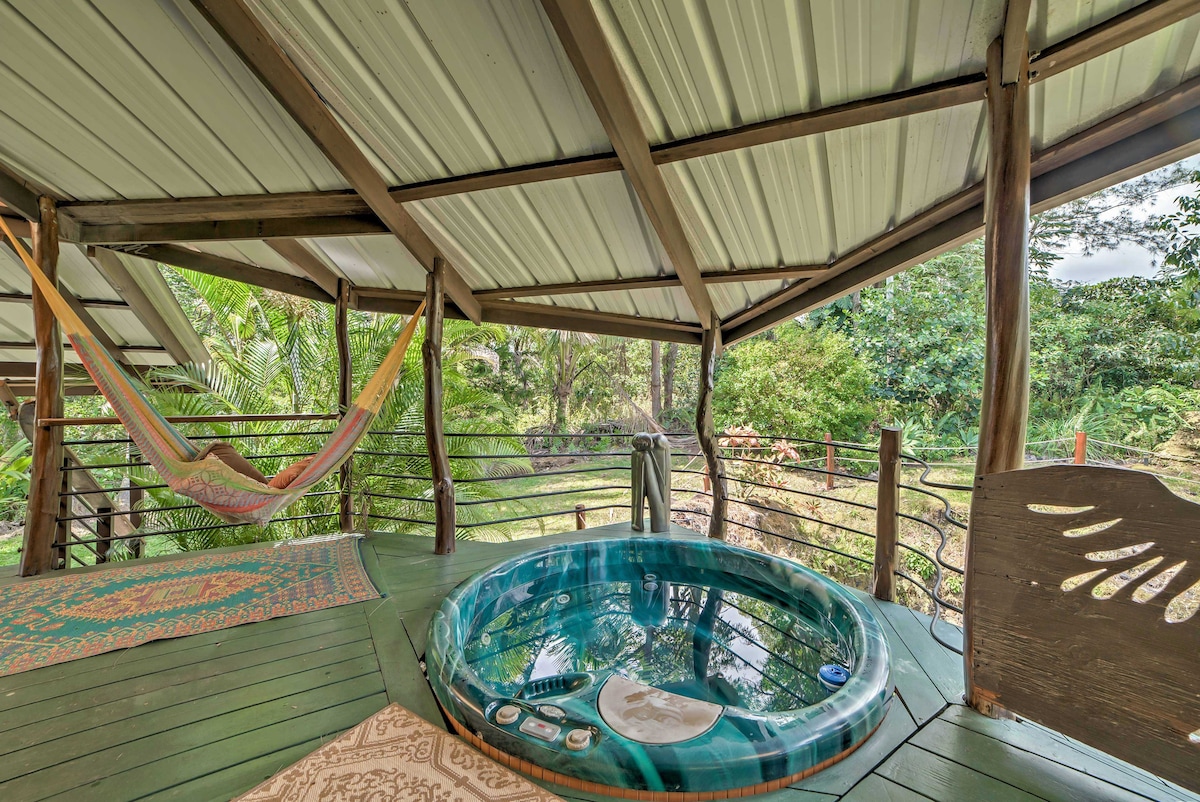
110,101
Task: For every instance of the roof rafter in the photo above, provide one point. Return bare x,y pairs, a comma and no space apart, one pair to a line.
1141,139
652,282
1015,39
305,260
236,23
581,36
232,269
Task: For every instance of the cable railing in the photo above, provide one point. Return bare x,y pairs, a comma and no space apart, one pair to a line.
812,500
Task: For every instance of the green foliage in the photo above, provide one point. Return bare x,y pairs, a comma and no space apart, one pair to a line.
14,480
799,382
1182,262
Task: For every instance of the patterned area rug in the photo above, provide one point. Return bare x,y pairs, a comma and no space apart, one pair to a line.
396,755
63,618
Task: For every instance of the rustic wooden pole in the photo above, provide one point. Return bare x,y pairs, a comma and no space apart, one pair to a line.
345,399
710,352
1081,448
887,515
580,516
435,435
1005,406
830,461
45,479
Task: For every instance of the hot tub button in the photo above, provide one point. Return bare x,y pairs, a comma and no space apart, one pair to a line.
507,714
552,711
578,740
540,729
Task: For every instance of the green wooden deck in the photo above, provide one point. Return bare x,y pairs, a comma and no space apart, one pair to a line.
209,716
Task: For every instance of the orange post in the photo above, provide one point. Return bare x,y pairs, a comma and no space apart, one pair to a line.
830,462
1081,448
580,517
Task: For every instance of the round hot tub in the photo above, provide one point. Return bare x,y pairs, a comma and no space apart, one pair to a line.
670,665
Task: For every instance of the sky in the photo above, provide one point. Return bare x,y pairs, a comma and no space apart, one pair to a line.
1127,261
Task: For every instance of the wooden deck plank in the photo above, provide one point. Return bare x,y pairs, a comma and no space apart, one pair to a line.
874,788
106,765
839,778
944,780
218,755
1033,773
158,648
226,783
152,721
917,691
127,702
107,683
943,666
1050,745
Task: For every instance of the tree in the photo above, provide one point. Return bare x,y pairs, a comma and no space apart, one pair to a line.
656,380
1182,263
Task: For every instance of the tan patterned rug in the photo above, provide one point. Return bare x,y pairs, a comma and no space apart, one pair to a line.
396,755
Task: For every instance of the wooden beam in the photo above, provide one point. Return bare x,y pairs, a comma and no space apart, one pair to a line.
19,195
652,282
345,399
1141,20
253,228
90,303
45,479
115,273
9,399
710,352
445,524
308,263
70,390
236,23
1016,40
941,95
233,270
1158,132
1005,402
93,325
579,30
21,345
19,226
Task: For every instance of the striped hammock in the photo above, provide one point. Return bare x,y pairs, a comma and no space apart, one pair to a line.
215,486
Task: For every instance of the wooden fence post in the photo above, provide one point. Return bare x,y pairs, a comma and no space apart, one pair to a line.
830,461
710,351
580,517
435,434
37,554
887,518
1081,448
345,399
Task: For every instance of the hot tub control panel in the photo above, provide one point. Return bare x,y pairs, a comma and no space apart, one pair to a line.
546,723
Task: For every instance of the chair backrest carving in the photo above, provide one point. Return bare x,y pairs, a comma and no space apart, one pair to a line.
1083,584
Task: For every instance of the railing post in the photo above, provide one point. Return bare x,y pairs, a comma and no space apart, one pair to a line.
1081,448
435,435
887,515
580,516
62,531
830,461
45,481
104,523
710,351
345,399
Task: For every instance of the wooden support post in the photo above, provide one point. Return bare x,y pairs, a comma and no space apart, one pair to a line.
1005,406
435,435
1081,448
887,515
135,518
710,351
45,478
345,399
62,529
830,461
580,516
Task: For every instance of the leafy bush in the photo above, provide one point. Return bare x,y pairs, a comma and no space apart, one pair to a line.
14,481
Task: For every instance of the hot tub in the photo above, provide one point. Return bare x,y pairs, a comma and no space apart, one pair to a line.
670,665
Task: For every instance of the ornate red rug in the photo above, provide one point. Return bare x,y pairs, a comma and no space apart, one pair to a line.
65,617
396,755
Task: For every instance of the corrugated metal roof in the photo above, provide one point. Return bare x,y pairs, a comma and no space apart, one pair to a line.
112,99
437,89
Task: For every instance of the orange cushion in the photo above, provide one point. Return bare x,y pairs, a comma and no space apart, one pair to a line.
229,455
289,474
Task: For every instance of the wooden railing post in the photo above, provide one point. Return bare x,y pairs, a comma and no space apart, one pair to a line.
435,435
104,526
887,515
45,481
710,351
1081,448
345,399
580,516
1005,407
830,461
62,530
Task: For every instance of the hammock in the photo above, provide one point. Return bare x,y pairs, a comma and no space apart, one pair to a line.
224,491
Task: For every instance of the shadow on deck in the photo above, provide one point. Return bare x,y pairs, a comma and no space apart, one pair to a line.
209,716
